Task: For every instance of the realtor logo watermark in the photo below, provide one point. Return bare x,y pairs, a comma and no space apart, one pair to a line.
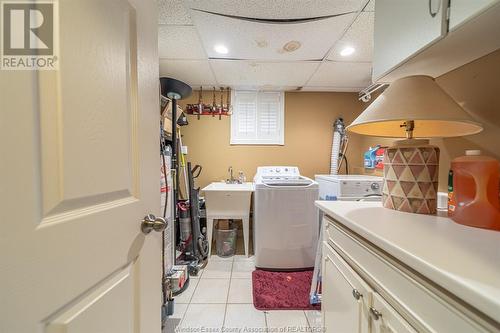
29,34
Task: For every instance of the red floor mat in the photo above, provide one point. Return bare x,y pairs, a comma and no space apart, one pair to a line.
282,290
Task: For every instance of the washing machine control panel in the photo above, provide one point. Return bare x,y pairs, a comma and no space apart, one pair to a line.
282,171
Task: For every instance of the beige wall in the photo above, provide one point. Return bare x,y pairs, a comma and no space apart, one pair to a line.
309,121
476,87
308,128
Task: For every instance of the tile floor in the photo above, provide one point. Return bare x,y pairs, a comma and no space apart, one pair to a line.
220,297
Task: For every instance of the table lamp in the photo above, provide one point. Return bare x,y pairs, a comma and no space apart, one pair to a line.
415,108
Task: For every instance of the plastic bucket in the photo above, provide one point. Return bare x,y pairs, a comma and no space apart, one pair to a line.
226,241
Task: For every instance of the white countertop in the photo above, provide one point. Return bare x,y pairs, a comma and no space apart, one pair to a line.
222,186
461,259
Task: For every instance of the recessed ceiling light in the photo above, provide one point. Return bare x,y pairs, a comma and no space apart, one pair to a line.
291,46
347,51
221,49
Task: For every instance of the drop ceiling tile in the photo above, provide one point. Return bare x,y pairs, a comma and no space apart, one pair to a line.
263,41
277,9
342,75
264,75
193,72
179,42
264,88
360,37
370,7
172,12
330,89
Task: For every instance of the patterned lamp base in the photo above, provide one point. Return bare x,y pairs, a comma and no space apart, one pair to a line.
411,170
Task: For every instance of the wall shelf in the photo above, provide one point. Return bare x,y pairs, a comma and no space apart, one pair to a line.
208,110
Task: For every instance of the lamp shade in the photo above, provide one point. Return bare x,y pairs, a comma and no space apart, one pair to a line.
174,89
419,99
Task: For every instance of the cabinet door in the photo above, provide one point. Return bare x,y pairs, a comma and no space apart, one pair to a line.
462,10
345,297
385,319
402,28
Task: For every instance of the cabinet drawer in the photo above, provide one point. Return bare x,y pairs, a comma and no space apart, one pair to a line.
395,284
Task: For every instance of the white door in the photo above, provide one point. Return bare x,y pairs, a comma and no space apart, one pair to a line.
79,171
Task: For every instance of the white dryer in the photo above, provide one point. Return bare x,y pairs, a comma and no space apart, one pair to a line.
285,219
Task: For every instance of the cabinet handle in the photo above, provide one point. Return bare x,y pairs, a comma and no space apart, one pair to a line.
433,14
356,294
375,314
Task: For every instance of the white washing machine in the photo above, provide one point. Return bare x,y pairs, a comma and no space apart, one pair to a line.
285,219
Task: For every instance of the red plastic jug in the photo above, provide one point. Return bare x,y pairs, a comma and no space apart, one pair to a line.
474,191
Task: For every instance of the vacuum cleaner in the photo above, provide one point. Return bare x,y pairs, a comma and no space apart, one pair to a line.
193,239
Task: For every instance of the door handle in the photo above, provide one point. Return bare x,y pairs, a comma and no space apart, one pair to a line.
151,222
433,12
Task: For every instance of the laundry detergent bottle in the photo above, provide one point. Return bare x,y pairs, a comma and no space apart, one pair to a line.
474,190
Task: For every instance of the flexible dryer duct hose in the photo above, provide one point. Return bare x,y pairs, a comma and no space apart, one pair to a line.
338,133
334,159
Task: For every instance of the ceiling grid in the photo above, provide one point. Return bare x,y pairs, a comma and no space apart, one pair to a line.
278,45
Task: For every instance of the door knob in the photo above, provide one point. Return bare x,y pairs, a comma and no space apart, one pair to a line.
151,222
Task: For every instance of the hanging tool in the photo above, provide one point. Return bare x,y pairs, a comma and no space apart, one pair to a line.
183,162
200,102
228,101
221,107
214,105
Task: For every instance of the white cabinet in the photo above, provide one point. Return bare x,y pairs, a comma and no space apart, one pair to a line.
462,10
385,319
345,297
364,290
349,305
431,37
404,27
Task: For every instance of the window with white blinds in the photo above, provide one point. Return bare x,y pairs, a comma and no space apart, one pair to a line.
258,118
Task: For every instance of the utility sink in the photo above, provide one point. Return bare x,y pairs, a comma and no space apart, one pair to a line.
228,201
222,186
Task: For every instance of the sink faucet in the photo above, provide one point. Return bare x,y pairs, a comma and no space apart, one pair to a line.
231,179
